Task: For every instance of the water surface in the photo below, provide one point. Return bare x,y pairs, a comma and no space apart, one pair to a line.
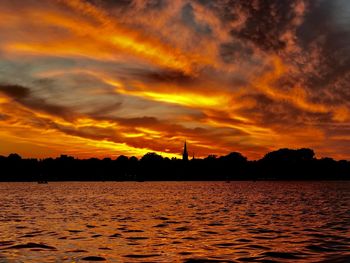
175,222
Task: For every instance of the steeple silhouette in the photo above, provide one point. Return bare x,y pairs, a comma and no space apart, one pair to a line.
185,153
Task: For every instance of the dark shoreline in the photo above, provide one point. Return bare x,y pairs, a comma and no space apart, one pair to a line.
280,165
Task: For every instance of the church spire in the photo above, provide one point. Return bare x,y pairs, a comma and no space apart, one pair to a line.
185,153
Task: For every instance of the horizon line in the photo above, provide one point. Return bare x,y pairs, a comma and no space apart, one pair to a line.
158,153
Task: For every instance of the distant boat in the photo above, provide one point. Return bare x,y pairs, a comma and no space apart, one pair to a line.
42,182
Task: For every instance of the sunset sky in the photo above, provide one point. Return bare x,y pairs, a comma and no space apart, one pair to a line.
101,78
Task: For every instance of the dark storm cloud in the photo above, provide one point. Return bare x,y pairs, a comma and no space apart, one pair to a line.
154,4
312,36
41,105
15,91
225,10
234,51
90,132
188,18
265,21
167,76
23,96
326,30
337,92
269,113
322,20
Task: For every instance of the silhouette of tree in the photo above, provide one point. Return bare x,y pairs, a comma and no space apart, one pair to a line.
14,157
282,164
151,157
234,157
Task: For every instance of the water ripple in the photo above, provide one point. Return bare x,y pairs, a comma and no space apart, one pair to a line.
175,222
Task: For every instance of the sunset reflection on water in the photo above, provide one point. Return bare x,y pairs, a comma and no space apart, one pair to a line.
174,221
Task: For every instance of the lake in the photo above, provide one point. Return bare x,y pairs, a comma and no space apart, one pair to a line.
175,222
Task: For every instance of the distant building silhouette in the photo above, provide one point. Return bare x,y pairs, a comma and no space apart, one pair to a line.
185,153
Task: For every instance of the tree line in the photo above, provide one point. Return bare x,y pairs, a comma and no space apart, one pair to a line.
283,164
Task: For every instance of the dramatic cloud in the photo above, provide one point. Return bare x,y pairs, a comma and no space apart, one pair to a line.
104,78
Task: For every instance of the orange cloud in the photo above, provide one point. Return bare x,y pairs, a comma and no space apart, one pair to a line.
92,78
95,35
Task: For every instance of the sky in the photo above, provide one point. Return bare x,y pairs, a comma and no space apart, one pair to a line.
103,78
